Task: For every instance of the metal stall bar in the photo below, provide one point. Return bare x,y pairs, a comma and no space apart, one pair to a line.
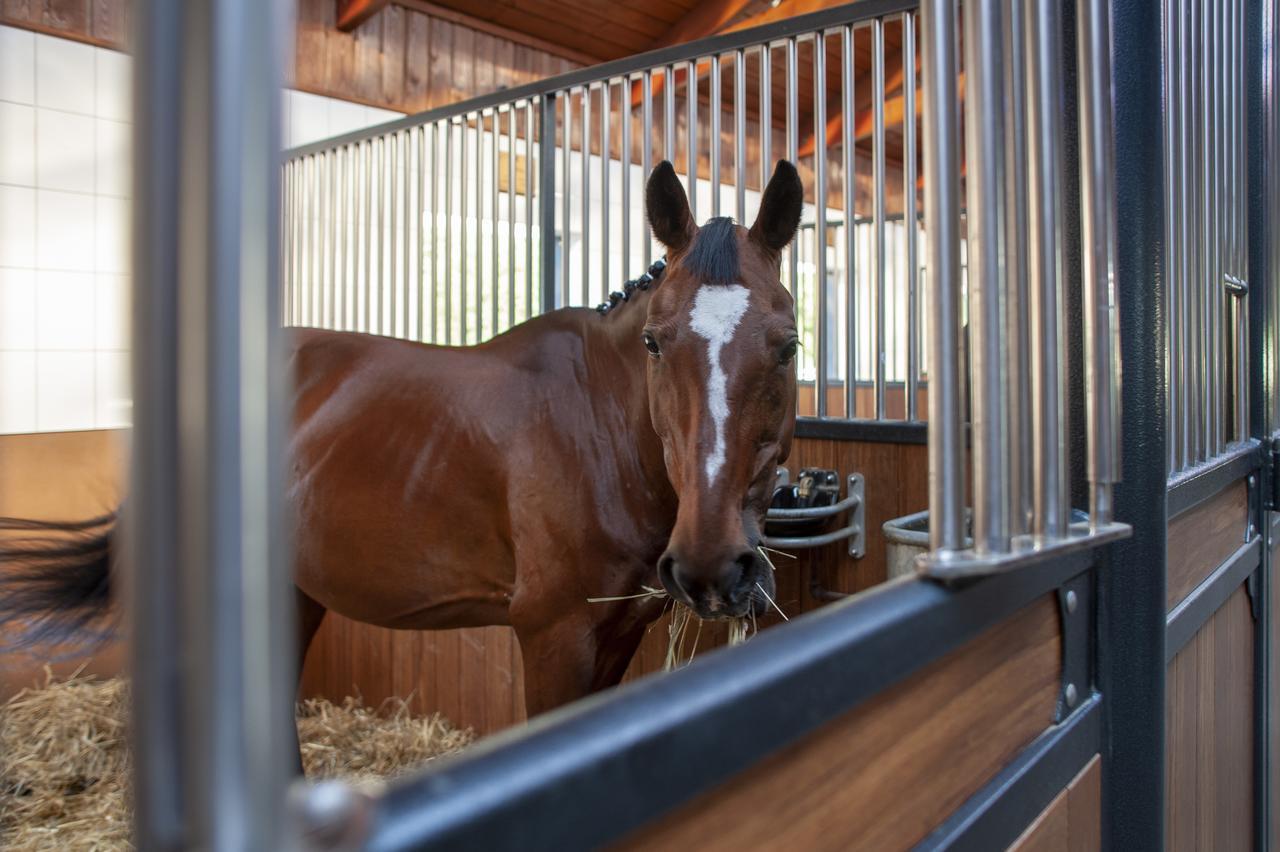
820,214
1173,216
716,141
585,197
566,210
546,161
210,668
691,98
910,219
1044,92
793,125
448,232
479,219
878,191
410,232
740,133
495,280
766,115
1097,199
463,229
849,148
511,216
1017,294
984,130
625,169
646,160
668,116
942,252
1214,290
606,112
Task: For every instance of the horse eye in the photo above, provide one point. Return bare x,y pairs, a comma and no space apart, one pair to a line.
788,352
651,344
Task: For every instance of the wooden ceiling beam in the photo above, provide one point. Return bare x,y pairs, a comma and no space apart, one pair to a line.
353,13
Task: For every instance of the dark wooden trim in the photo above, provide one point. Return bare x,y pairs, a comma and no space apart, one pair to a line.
69,35
1189,616
456,17
352,13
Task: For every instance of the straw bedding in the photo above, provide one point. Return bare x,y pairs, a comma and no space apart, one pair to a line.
64,762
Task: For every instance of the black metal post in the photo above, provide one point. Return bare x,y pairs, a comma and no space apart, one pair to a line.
547,200
1132,588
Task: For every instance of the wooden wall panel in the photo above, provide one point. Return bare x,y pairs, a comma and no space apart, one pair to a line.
59,476
105,23
881,777
1209,735
1072,822
1202,538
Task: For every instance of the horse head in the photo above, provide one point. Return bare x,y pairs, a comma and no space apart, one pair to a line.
721,337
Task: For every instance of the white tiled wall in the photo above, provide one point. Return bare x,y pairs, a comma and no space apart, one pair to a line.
64,218
64,190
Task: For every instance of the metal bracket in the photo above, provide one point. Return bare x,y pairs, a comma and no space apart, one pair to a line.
854,503
1255,600
1075,605
1271,475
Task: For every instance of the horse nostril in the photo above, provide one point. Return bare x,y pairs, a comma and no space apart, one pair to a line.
740,577
667,575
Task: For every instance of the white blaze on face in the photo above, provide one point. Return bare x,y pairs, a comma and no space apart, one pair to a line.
717,310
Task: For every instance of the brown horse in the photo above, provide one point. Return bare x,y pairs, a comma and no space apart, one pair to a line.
581,454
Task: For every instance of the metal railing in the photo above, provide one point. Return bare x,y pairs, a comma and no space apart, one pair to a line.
1206,229
452,225
1015,144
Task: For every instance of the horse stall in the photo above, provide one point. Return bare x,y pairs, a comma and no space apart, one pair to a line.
1020,554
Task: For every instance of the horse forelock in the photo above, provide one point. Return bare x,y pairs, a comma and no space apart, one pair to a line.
713,256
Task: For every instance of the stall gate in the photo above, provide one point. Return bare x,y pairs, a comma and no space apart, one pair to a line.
1041,683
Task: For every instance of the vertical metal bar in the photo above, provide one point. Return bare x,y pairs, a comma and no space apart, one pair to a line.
820,215
740,131
208,643
1051,508
586,196
511,216
878,181
437,227
546,182
793,125
447,251
1193,180
849,150
344,245
494,277
547,197
367,192
381,233
910,219
566,292
606,113
393,185
1215,289
1169,19
421,230
1017,293
984,130
464,225
410,232
1183,240
766,115
646,160
479,274
691,96
625,166
1097,197
668,117
715,139
331,239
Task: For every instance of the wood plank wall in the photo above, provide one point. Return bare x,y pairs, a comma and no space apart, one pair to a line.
884,775
1209,737
105,23
1072,822
474,676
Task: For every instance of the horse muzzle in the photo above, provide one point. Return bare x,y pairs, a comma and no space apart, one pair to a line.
728,586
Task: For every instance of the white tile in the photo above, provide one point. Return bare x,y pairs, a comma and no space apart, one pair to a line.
111,224
114,396
64,310
374,115
65,157
17,309
64,391
17,65
309,118
64,231
113,85
17,226
17,392
111,315
17,143
64,74
115,152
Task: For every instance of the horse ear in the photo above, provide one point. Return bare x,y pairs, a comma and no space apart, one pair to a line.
779,215
668,209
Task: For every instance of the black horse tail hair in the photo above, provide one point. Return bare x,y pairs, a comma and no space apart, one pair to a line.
55,582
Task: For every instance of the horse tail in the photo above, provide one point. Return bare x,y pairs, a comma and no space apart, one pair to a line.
55,581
